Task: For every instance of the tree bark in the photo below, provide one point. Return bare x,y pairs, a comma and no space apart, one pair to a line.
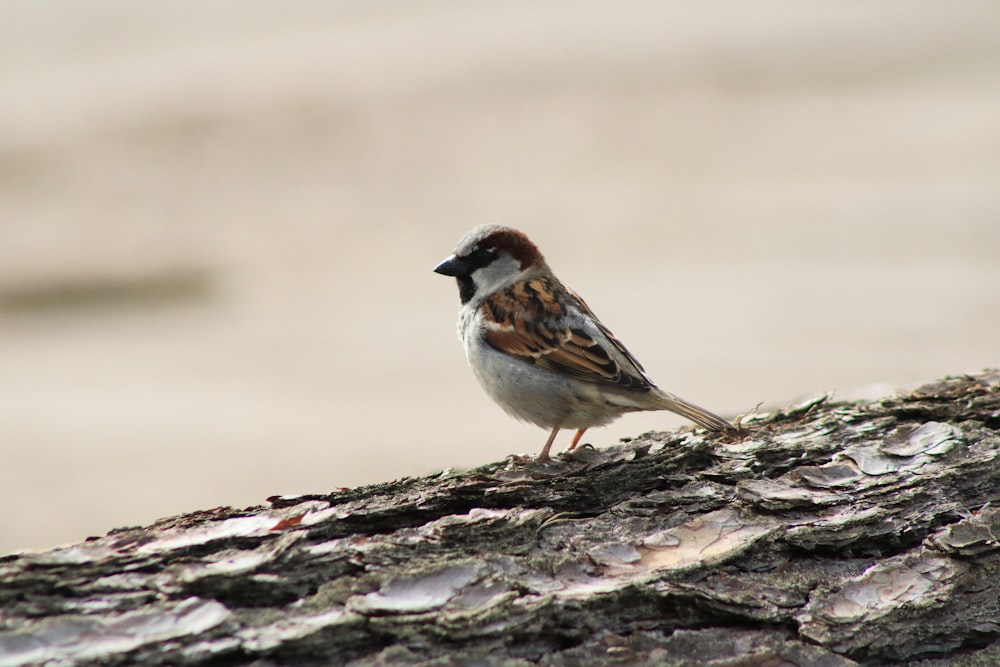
828,533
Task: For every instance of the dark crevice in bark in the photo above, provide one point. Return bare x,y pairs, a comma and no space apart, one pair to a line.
824,534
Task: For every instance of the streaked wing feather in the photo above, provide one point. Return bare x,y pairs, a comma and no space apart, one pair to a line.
528,322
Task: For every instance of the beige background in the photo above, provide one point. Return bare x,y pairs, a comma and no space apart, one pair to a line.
218,223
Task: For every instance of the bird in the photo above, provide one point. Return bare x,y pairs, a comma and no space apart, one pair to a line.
538,350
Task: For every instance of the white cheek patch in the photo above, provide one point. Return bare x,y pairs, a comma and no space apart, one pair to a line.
497,273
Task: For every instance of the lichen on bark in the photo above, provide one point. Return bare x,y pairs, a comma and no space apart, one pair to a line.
827,533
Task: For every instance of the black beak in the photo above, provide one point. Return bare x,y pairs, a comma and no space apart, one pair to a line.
453,266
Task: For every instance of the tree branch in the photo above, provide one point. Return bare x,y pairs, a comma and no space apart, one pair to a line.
826,534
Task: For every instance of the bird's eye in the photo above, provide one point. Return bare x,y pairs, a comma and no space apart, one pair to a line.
482,256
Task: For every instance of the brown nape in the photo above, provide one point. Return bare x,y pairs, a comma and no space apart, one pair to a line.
517,245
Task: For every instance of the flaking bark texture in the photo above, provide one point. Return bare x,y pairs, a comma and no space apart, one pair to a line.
826,534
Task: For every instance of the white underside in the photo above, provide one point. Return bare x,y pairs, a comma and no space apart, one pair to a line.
538,395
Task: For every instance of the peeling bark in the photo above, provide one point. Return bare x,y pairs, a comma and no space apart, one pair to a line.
826,534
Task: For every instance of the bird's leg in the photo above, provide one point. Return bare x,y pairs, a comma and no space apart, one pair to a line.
576,440
544,456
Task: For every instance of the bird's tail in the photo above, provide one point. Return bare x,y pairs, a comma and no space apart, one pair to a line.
697,414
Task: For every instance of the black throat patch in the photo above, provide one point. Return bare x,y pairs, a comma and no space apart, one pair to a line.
466,288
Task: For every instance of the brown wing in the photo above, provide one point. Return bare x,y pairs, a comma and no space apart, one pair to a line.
529,321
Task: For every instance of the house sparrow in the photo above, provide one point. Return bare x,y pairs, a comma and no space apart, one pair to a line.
538,350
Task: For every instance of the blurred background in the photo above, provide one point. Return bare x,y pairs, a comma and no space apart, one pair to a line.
218,223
